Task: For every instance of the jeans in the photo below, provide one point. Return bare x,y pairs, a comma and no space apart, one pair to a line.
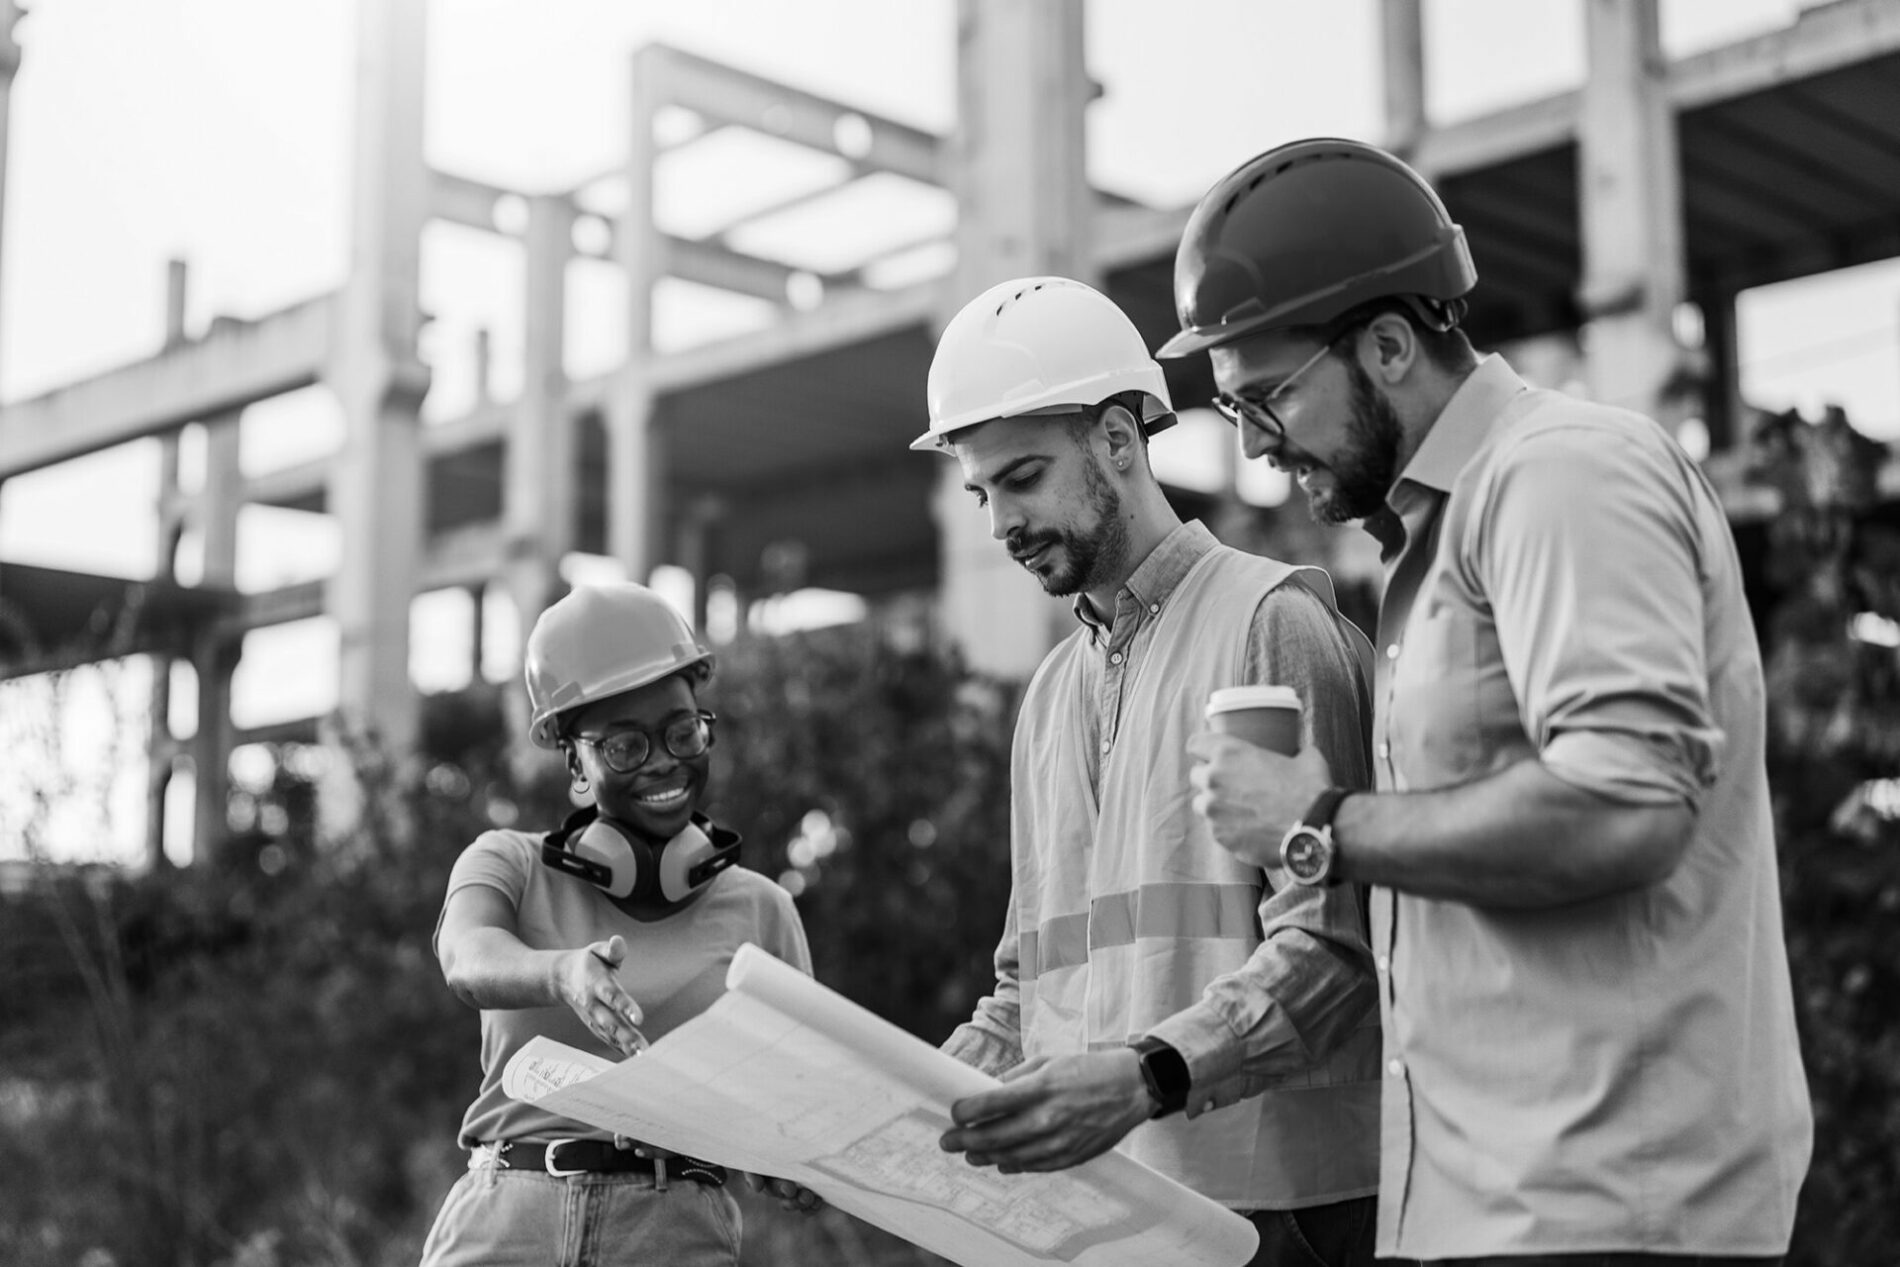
501,1218
1605,1260
1335,1235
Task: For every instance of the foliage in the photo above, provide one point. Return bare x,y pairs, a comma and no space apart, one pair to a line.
253,1062
1832,561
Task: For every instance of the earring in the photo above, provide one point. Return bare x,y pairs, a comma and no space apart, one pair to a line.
580,783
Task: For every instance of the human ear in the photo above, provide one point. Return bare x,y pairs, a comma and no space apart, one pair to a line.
1393,347
1121,433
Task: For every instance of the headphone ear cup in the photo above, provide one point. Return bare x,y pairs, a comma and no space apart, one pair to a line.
677,861
604,844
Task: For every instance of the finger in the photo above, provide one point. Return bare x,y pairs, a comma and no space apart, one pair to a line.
756,1183
610,952
1023,1090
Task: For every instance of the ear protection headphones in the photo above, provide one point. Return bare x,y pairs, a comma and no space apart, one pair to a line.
652,880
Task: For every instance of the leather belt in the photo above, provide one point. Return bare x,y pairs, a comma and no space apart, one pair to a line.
566,1157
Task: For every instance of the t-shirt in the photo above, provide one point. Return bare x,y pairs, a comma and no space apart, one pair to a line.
675,967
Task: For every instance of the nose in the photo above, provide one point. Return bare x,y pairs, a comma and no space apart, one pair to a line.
1004,519
1256,443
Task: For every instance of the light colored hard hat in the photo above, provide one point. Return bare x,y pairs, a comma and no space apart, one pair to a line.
1038,345
598,641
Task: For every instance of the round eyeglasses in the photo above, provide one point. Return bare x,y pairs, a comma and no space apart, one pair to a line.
627,750
1258,410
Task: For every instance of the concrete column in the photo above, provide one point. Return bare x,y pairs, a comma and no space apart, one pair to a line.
10,12
635,463
1024,207
1722,339
538,490
1630,185
1402,40
161,745
213,659
376,485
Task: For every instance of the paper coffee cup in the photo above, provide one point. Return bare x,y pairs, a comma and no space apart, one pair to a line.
1266,716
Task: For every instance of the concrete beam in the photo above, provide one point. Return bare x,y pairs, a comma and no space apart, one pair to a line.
236,363
1825,38
725,95
465,201
848,319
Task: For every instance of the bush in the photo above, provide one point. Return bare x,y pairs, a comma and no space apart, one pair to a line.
254,1061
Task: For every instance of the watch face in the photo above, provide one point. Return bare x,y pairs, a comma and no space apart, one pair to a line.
1304,854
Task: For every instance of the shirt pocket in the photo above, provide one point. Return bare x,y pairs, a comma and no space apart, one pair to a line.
1434,722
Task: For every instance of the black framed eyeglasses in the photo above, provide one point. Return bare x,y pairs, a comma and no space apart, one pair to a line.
1258,410
627,750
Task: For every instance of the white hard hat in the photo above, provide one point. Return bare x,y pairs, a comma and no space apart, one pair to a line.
1038,345
598,641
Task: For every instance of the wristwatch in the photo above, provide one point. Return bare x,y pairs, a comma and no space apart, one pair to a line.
1165,1072
1308,851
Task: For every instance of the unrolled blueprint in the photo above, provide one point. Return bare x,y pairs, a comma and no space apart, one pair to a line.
784,1077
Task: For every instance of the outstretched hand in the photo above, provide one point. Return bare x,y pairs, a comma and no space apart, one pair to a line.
1052,1113
587,982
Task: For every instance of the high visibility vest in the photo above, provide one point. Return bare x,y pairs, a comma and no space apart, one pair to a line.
1127,908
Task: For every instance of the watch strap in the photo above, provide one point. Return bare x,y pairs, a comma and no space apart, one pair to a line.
1165,1073
1324,808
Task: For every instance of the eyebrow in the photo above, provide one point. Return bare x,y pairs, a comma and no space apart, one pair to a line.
1008,467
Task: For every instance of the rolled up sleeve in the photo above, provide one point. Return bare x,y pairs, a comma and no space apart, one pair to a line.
1310,983
992,1039
1587,551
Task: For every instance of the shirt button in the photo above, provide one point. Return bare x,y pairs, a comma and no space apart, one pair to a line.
1105,744
1385,965
1153,608
1396,1068
1392,652
1116,658
1385,752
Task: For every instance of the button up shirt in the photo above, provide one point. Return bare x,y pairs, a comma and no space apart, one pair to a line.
1618,1074
1127,919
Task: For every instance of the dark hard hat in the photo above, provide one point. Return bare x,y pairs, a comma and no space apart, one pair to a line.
1306,232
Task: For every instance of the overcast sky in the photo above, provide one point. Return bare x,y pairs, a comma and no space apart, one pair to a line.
218,131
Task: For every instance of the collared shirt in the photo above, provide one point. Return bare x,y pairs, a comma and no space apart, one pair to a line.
1126,918
1620,1074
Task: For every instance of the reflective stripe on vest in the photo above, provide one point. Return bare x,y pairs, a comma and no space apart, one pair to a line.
1223,911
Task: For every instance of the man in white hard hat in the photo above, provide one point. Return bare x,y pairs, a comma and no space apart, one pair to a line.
1151,991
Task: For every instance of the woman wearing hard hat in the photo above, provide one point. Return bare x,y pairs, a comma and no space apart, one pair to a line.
607,932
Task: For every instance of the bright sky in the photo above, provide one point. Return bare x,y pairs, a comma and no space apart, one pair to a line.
218,131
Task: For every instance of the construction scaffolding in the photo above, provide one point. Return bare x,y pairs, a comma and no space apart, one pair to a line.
1607,208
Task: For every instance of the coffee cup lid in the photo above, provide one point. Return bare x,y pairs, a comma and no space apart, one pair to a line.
1231,698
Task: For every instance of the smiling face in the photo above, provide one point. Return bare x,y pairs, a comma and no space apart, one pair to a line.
1343,436
1050,499
659,798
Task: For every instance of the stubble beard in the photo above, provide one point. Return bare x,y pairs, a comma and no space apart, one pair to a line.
1090,554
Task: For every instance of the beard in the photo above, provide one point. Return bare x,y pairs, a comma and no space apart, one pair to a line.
1366,466
1083,555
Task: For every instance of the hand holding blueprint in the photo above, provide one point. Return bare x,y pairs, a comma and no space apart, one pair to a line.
784,1077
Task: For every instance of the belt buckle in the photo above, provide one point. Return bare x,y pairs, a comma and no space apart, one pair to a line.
548,1162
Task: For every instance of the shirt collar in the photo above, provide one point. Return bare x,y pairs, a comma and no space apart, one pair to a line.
1158,574
1464,424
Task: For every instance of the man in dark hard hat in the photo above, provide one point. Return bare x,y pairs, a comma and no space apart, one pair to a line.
1590,1051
